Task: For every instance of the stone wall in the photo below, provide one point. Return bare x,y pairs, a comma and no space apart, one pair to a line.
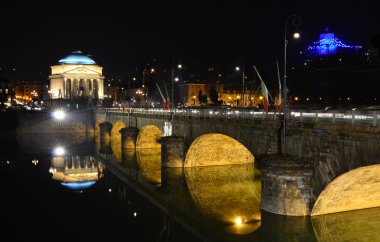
76,121
333,149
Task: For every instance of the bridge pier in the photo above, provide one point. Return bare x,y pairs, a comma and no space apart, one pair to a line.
128,137
172,151
286,186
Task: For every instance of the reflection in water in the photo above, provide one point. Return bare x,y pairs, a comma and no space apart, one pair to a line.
149,162
359,225
116,139
229,194
76,172
128,157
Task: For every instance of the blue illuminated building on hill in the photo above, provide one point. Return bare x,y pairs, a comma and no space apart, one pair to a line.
328,44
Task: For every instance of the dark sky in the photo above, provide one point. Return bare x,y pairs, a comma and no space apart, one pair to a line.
120,36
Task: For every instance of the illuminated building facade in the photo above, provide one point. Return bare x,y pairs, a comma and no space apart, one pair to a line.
77,76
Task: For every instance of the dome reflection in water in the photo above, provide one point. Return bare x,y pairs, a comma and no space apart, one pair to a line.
229,194
76,172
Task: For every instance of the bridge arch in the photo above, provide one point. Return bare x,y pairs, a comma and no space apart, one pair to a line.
97,127
356,189
116,138
149,137
229,194
217,149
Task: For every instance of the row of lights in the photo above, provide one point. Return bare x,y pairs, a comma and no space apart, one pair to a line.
320,98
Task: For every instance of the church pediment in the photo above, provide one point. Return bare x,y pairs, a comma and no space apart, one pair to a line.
82,70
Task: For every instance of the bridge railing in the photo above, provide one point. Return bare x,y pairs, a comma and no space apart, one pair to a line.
331,116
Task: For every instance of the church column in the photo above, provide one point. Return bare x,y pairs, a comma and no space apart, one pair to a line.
64,88
101,88
96,88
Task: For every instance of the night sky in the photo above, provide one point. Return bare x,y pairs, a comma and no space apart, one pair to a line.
120,37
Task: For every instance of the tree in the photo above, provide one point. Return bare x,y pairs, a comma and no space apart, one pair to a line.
214,95
202,98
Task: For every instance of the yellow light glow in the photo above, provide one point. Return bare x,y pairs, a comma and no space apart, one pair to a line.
296,35
152,70
229,97
261,97
238,97
238,221
194,97
296,98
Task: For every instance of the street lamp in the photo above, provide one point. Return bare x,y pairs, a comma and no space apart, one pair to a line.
295,21
174,79
242,93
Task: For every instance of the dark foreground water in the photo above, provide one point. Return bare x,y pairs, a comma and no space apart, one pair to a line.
90,192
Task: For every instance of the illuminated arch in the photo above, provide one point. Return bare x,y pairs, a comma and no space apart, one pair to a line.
217,149
149,137
116,139
358,225
149,163
356,189
97,127
228,194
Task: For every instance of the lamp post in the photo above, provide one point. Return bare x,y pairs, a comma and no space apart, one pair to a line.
174,79
242,93
295,21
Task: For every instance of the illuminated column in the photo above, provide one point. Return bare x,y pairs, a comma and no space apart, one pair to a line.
101,88
172,151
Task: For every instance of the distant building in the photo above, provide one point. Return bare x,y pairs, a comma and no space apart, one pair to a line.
31,91
6,92
76,76
328,44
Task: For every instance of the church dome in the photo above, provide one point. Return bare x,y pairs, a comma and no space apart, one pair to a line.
77,58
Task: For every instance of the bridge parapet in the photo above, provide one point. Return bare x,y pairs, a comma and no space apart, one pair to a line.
366,117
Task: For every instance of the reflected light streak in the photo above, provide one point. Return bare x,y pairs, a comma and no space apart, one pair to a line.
238,221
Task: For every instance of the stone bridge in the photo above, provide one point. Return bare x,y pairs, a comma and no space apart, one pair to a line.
331,163
331,166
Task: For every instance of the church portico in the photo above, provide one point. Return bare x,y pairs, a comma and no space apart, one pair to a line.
76,77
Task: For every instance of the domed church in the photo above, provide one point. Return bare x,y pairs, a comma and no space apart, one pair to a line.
76,76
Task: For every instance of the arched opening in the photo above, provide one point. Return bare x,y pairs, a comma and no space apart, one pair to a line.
149,163
81,88
96,88
75,90
116,139
358,225
356,189
230,194
149,137
217,149
89,86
